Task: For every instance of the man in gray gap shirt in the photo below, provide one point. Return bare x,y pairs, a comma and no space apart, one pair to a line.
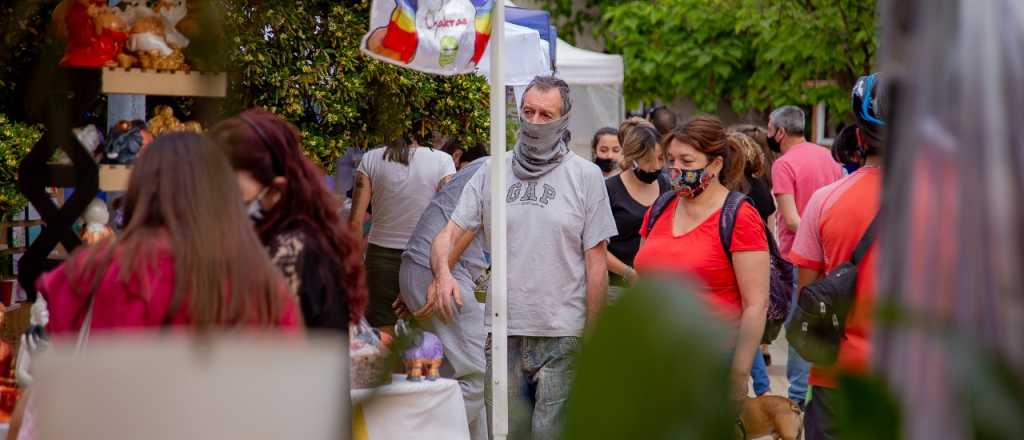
559,220
461,331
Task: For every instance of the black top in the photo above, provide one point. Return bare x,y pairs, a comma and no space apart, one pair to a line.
322,296
761,193
629,216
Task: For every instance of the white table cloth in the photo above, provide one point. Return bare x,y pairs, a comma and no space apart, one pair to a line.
403,410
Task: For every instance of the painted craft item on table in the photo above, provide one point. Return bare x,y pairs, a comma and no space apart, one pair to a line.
97,219
425,354
445,37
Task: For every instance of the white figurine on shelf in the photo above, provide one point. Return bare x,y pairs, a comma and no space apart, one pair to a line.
96,218
89,136
33,341
173,11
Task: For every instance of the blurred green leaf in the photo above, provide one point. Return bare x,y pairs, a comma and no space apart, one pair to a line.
655,367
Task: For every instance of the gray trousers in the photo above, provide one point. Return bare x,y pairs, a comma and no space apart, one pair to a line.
463,338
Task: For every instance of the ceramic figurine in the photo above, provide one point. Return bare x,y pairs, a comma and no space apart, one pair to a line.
172,12
424,356
34,340
96,219
163,121
89,136
95,34
124,144
147,35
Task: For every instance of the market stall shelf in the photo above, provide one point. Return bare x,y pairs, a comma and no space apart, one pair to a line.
114,178
136,81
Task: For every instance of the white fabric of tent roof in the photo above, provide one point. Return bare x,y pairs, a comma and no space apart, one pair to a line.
526,56
595,80
579,66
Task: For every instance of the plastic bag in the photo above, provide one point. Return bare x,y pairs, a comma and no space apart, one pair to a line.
368,355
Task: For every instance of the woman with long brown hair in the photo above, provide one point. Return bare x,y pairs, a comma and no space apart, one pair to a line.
685,238
185,257
296,217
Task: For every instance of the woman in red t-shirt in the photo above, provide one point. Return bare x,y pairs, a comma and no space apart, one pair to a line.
685,239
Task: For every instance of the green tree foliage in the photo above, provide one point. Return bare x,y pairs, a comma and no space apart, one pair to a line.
301,60
751,54
15,141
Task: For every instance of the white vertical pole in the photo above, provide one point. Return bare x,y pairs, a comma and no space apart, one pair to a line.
499,263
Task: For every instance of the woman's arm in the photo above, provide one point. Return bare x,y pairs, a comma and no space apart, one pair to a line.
752,275
616,266
360,201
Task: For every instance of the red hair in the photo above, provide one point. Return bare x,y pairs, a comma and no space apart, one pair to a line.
267,146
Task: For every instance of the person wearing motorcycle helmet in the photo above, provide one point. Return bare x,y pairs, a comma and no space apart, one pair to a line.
835,220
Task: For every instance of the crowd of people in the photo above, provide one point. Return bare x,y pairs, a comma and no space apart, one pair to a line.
237,228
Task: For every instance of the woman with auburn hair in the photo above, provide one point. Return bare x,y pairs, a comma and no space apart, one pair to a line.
296,217
185,257
684,240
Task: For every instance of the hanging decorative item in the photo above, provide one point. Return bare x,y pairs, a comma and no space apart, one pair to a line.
445,37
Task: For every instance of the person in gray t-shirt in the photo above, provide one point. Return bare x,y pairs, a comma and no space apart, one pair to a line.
559,221
460,330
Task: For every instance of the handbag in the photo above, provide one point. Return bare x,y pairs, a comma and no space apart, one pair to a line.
819,320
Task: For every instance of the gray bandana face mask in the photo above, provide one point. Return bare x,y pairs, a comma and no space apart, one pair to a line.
540,147
540,139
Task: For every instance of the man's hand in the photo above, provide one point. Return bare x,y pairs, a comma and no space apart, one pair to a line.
440,295
401,310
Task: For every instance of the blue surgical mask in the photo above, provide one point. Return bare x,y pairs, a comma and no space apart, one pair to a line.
253,207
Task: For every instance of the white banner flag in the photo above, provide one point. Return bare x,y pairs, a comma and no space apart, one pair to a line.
444,37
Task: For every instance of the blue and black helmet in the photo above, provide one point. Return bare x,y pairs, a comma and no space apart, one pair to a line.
868,108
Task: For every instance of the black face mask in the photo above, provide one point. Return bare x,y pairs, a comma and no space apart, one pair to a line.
604,164
773,144
646,176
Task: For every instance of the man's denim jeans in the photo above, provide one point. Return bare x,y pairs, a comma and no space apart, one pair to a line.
540,373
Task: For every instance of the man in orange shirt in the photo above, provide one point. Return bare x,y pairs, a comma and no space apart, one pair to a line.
834,221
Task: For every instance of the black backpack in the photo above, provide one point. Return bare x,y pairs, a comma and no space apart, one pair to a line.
782,277
819,320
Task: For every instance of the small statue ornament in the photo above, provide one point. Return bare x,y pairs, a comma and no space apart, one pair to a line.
33,341
425,354
125,142
96,34
96,219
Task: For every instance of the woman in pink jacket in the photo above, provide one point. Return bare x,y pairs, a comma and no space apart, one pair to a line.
188,255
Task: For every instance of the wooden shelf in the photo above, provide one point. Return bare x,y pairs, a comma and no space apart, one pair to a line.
114,177
164,83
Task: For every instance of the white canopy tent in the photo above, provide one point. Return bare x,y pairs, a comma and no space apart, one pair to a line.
596,82
525,56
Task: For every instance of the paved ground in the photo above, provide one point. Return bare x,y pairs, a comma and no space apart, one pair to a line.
777,371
